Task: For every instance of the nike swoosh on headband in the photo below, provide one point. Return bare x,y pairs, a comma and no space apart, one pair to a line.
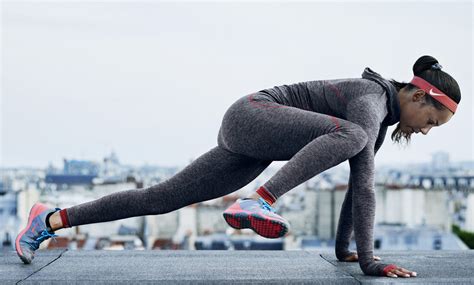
435,94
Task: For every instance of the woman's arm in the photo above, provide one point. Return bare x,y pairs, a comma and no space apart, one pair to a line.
363,209
344,226
380,139
367,111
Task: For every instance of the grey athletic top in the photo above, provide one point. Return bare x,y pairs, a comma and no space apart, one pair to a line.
371,102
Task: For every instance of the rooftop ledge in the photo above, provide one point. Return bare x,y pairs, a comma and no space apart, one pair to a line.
63,266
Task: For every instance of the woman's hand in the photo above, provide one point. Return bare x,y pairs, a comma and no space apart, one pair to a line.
393,270
354,257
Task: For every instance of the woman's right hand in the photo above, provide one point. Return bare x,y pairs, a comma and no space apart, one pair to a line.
393,270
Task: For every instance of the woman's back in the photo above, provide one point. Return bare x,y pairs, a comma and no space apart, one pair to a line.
328,97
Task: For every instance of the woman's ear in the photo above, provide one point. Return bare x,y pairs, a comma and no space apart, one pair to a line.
418,98
418,95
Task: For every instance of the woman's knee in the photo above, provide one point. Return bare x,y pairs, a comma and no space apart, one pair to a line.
360,137
357,136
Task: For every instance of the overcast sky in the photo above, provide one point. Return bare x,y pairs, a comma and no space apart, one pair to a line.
152,80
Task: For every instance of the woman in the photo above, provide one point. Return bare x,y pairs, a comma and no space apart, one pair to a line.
313,125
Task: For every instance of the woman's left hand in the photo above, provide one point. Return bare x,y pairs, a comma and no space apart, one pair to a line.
354,257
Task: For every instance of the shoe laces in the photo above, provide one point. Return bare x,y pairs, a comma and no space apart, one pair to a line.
266,206
42,237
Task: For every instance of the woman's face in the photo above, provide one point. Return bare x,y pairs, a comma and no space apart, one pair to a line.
418,116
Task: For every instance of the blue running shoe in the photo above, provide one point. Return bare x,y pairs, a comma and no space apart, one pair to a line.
257,215
29,239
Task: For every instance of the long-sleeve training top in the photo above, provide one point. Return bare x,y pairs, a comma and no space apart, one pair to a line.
371,102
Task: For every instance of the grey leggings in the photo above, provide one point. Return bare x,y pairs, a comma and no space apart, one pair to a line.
255,131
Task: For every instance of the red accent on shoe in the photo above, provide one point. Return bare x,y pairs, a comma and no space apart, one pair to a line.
64,218
269,226
35,211
265,194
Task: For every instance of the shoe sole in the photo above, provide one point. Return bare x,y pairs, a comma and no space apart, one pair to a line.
263,226
34,212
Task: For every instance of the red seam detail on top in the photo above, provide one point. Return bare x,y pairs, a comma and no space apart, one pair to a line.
334,119
335,89
257,103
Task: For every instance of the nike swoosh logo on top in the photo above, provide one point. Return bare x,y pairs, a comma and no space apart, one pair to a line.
435,94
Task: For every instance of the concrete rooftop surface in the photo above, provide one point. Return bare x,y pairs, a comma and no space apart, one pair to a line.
63,266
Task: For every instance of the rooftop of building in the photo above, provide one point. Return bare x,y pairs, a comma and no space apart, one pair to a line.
63,266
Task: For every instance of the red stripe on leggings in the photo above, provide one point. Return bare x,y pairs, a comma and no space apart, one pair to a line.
64,218
266,195
336,90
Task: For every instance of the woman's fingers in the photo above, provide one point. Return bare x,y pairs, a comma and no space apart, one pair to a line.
390,274
399,271
412,273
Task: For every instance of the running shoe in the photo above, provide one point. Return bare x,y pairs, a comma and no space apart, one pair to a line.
257,215
29,239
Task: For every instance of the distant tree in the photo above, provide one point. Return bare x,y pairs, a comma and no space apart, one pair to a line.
465,236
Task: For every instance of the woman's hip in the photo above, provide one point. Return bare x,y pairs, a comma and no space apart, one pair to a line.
255,125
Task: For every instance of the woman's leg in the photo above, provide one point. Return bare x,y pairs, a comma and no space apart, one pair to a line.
214,174
254,132
311,142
